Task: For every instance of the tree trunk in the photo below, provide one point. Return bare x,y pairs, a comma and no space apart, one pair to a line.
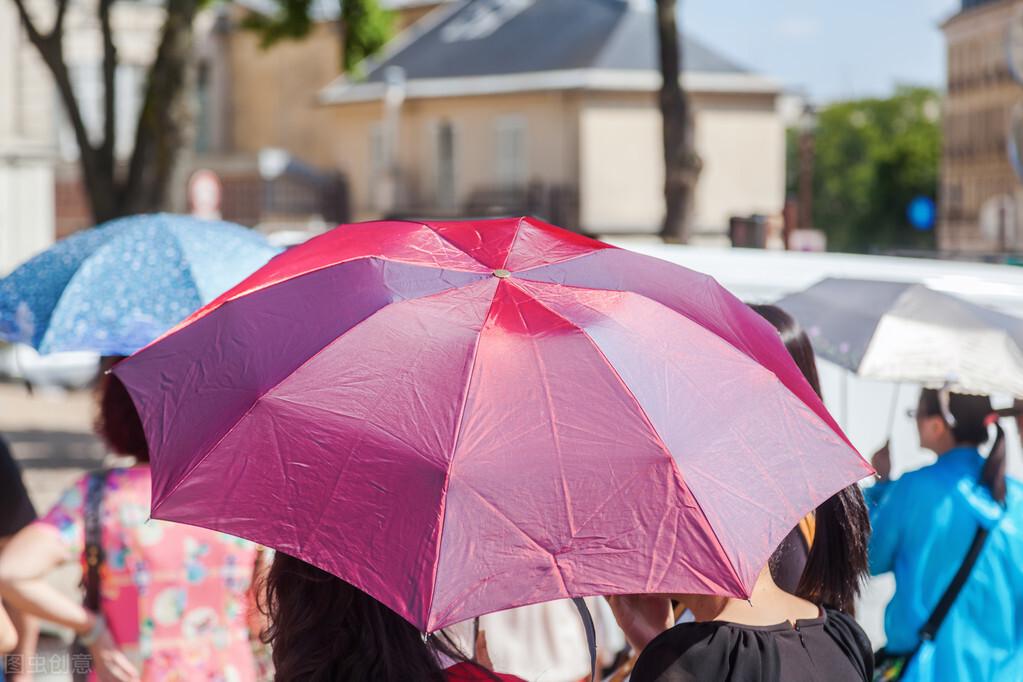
99,185
678,159
165,121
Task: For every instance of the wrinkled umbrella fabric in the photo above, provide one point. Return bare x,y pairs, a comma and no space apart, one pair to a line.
114,288
906,332
464,417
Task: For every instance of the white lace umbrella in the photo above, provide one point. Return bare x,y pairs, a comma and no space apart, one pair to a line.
908,333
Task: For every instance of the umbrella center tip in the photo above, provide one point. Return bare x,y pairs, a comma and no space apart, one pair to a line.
502,274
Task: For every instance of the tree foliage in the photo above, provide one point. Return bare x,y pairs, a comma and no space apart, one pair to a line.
872,157
365,27
292,21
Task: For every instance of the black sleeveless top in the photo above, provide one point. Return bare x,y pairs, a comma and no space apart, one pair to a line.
16,510
831,647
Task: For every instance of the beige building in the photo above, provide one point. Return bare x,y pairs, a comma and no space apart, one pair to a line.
248,99
567,129
981,198
27,149
258,97
474,111
262,101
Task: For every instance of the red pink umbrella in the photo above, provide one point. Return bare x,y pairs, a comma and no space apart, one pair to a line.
463,417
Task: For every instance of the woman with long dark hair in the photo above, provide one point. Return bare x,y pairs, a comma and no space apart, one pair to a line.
926,523
775,635
837,571
322,629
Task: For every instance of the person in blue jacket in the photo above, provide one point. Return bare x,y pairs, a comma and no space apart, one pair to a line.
923,525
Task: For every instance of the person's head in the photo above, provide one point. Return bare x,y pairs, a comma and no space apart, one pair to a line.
945,420
837,563
117,422
322,629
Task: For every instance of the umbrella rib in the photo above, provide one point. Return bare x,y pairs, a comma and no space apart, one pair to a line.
474,588
579,287
497,510
64,287
585,254
739,436
258,399
549,400
454,447
184,259
649,424
449,242
718,302
67,286
236,295
511,245
304,363
704,278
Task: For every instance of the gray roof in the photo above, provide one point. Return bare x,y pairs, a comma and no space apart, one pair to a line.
970,4
503,37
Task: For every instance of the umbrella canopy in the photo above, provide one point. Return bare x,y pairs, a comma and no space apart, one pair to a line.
114,288
905,332
464,417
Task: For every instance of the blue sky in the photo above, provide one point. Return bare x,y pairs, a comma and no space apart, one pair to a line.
831,49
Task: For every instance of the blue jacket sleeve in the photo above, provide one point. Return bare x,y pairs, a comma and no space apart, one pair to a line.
884,501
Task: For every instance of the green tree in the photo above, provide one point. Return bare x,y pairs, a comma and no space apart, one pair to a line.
365,27
872,157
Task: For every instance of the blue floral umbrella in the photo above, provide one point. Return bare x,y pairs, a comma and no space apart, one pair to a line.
118,286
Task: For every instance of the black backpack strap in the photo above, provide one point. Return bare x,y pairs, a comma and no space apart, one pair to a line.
93,539
930,629
93,551
475,638
591,634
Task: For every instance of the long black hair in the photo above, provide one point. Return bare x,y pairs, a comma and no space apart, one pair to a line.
970,416
322,629
837,563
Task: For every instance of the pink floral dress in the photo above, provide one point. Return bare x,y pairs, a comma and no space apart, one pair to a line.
176,598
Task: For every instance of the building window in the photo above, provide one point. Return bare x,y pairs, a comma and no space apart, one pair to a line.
510,152
377,153
953,200
444,155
